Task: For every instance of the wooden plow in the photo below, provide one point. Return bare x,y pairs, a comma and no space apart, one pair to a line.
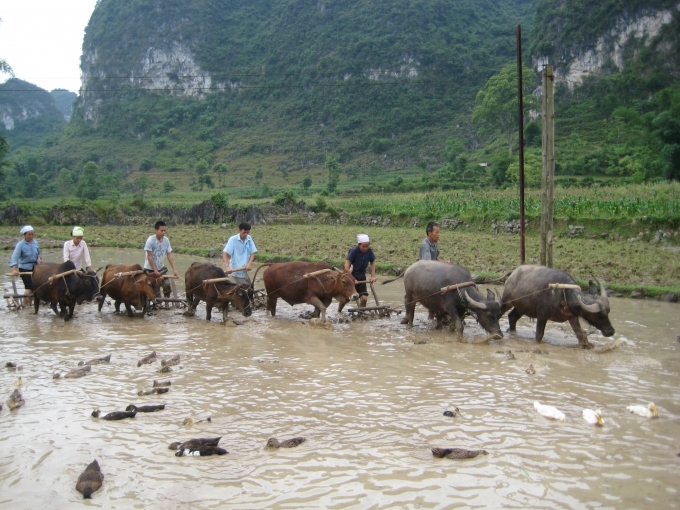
380,311
14,299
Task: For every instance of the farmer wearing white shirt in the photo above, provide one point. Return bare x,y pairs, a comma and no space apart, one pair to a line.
239,252
76,250
157,247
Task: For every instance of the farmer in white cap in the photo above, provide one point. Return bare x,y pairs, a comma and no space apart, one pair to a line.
25,257
76,249
359,258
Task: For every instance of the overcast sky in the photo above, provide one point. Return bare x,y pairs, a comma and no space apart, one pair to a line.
42,40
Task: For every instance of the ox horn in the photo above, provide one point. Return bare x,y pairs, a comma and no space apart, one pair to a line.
594,308
498,294
476,304
98,269
603,292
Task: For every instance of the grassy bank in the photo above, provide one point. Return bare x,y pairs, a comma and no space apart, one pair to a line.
625,267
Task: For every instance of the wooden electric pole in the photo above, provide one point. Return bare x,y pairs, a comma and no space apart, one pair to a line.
548,175
520,115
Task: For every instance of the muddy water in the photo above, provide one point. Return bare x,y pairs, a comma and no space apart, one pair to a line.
367,398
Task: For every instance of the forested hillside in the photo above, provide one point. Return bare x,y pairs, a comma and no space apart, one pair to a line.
347,96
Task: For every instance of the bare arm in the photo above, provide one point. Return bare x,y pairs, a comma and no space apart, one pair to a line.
171,259
348,264
149,257
373,271
226,258
250,262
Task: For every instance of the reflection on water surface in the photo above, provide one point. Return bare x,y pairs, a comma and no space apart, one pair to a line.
367,398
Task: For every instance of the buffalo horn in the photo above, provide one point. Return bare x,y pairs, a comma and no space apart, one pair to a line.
98,269
594,308
476,304
498,294
603,292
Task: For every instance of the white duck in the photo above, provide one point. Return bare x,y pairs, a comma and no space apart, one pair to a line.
593,417
549,411
648,411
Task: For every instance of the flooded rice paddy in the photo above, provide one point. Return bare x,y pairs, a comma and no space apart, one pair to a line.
368,396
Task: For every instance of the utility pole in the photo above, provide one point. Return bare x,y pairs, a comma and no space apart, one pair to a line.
520,116
548,174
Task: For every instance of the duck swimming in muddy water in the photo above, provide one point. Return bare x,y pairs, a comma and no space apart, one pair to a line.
288,443
96,361
549,411
648,411
90,480
15,400
203,451
593,417
75,373
531,370
164,370
189,421
170,362
162,384
193,444
452,414
115,415
457,453
148,359
154,391
145,409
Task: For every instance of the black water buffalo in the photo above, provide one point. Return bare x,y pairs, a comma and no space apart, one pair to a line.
527,293
286,280
218,294
423,282
67,290
132,290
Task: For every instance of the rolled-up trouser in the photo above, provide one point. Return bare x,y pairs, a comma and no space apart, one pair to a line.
27,278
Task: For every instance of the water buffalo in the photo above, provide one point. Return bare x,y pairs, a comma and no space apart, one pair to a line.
286,281
133,290
67,291
423,281
527,293
218,294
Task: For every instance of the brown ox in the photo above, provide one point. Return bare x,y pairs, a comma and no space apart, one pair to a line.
67,290
217,294
286,281
133,290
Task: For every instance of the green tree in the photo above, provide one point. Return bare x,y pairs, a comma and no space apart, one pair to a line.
88,186
334,169
496,104
306,184
258,176
221,170
64,182
143,184
533,169
169,187
201,170
31,185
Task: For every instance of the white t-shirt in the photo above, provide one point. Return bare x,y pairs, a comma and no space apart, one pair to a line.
158,251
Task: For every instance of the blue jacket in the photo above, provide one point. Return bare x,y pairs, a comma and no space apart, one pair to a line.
25,254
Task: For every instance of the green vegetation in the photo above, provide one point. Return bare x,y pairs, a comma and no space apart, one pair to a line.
64,100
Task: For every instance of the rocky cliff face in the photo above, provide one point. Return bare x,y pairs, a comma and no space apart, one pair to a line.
26,101
610,48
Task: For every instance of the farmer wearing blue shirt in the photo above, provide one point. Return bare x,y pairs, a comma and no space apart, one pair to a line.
25,257
239,252
359,258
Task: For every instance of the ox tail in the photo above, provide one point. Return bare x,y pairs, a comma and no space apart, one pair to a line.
252,283
394,279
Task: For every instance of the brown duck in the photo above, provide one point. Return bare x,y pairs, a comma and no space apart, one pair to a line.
170,362
90,480
456,453
75,373
288,443
154,391
146,360
96,361
199,442
15,400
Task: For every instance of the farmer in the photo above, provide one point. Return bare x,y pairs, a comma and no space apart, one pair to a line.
359,258
157,247
428,248
76,250
25,257
239,252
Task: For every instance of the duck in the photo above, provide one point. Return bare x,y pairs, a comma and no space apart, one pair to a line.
153,391
19,383
531,370
648,411
196,443
15,400
457,453
96,361
161,384
115,415
593,417
75,373
11,365
549,411
452,414
164,370
509,355
170,362
203,451
90,480
288,443
189,421
148,359
145,409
